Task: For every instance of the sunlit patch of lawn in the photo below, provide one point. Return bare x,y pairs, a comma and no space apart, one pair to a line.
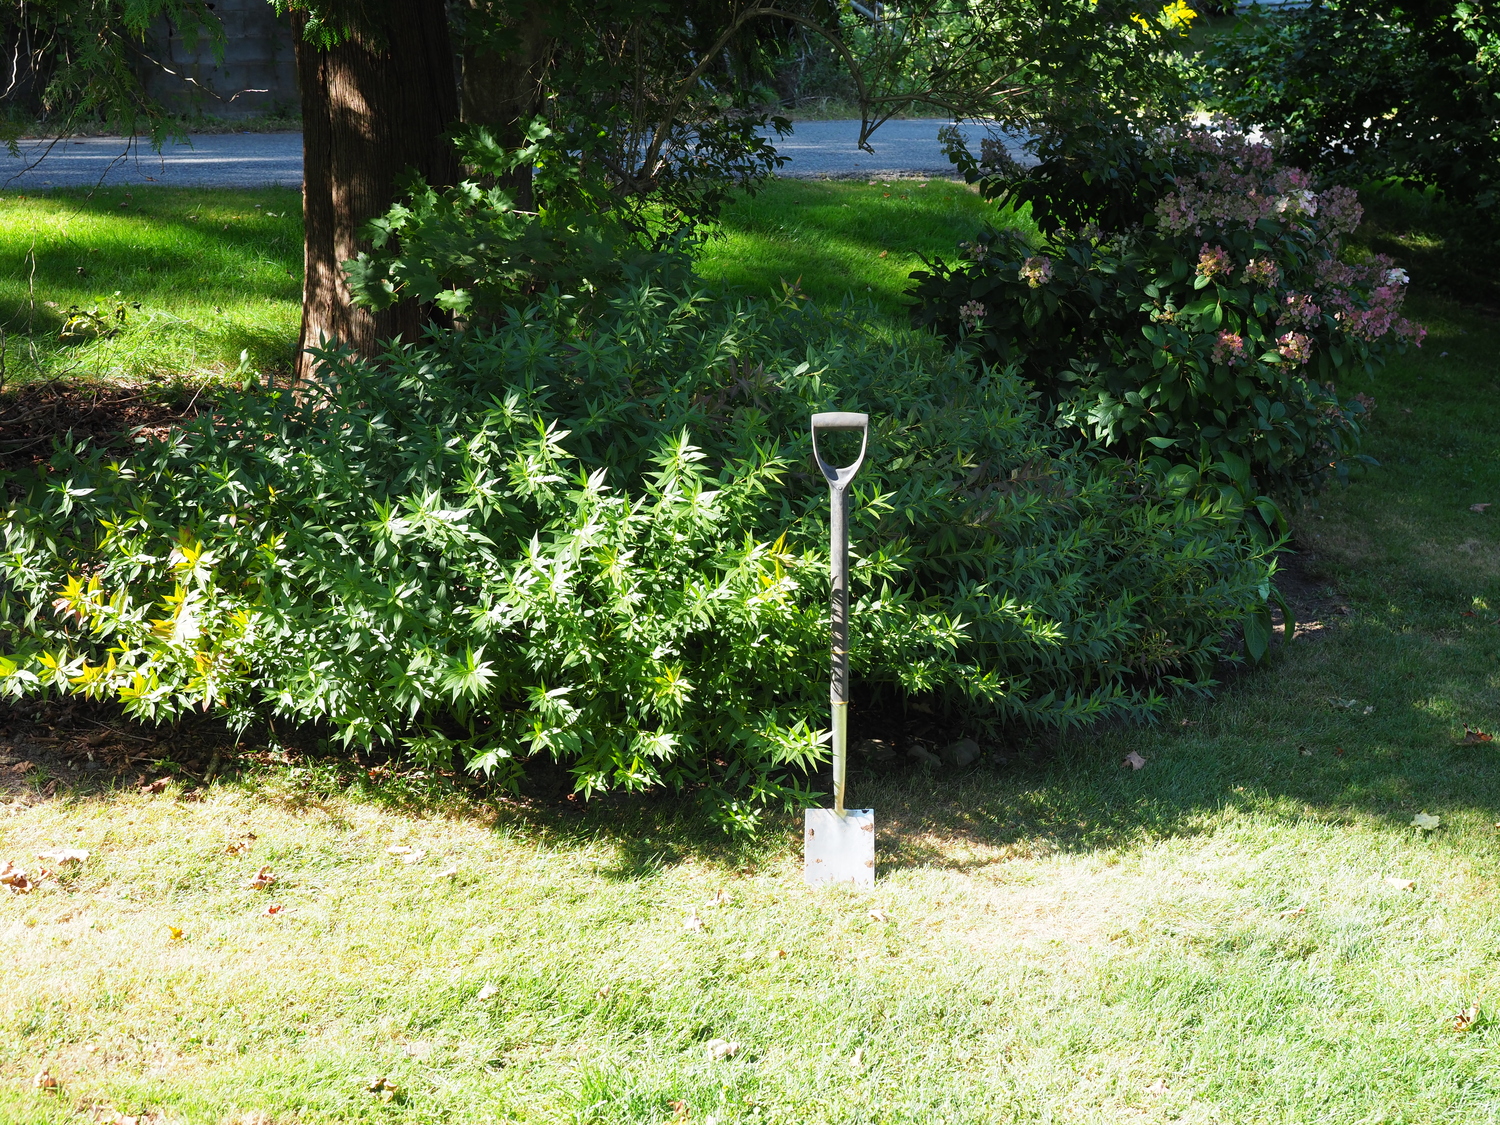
142,283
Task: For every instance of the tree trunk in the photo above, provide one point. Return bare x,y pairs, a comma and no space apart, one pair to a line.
503,75
376,104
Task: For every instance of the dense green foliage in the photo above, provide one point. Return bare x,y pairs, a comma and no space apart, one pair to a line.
1214,333
1364,89
604,544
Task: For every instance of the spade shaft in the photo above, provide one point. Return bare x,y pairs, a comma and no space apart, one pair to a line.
838,566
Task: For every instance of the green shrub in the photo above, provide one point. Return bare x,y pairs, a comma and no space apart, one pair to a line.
1370,89
1214,332
607,545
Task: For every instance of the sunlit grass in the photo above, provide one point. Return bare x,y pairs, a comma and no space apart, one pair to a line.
183,281
837,239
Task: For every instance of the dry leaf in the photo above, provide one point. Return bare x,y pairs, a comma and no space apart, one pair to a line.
240,846
153,787
883,253
719,1049
486,992
398,849
446,873
1467,1018
274,909
1473,737
1133,760
777,955
61,856
692,923
174,933
681,1111
1294,912
602,991
1425,823
408,855
262,879
1158,1087
1401,884
1478,508
384,1087
46,1080
14,878
857,1059
719,898
1304,751
879,915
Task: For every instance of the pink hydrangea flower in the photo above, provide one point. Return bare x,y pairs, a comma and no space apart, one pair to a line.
1295,347
971,315
1263,271
1229,349
1037,271
1300,308
1213,261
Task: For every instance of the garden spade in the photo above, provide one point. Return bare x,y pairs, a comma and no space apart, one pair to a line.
839,843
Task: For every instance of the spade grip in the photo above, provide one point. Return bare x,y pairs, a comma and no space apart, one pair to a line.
838,565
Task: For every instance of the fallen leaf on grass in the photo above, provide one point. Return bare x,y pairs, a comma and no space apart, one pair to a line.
486,992
1304,751
879,915
1467,1018
777,955
681,1111
174,933
446,873
384,1087
1473,737
1133,760
1401,884
692,923
240,846
153,787
46,1080
719,898
14,878
1294,912
1478,508
262,879
1158,1087
408,855
857,1060
61,856
274,909
1425,822
719,1049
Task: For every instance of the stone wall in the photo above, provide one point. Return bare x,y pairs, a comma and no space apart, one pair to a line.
257,75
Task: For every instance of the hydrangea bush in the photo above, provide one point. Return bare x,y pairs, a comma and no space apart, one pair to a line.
1218,330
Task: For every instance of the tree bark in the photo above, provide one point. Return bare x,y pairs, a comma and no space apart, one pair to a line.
376,104
504,69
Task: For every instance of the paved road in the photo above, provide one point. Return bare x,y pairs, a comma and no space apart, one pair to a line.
816,148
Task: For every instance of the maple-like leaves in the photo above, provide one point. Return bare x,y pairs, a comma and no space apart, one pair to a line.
1133,760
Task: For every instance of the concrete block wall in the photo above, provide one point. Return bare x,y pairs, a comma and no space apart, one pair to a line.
258,73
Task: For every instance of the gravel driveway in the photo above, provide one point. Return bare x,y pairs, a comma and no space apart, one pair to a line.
816,148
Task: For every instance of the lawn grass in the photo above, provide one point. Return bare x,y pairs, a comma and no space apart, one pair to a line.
1225,935
198,277
838,239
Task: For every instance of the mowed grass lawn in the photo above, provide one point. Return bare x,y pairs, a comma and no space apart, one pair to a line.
1247,929
173,283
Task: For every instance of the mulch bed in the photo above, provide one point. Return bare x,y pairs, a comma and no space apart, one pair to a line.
33,417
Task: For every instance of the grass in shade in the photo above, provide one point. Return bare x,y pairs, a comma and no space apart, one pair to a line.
148,283
837,239
1247,929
